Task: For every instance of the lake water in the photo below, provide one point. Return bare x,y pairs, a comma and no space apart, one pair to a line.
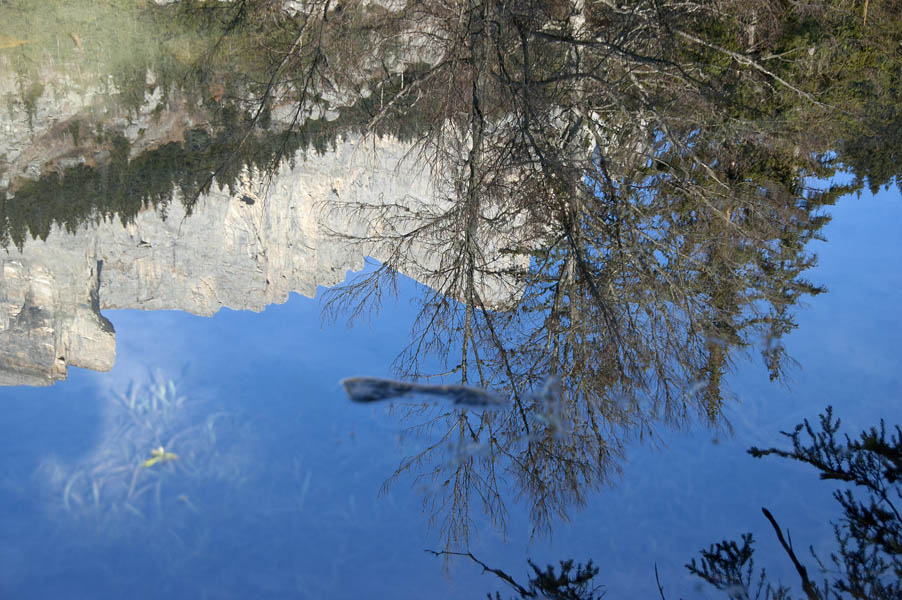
299,514
220,458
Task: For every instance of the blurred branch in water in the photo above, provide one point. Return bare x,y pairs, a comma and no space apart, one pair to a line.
374,389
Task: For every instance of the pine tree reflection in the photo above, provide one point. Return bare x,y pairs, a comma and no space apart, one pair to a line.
650,187
867,564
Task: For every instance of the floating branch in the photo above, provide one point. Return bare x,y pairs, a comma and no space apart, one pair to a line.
374,389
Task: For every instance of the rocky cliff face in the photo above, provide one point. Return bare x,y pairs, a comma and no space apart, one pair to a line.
50,318
251,249
298,230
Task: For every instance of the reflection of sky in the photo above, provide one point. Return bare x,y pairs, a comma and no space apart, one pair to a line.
306,522
673,502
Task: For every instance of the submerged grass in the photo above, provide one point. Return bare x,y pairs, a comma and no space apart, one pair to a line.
158,453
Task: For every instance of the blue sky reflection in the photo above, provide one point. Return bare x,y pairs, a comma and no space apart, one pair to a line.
303,518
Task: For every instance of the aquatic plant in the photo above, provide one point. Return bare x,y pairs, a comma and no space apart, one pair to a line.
157,450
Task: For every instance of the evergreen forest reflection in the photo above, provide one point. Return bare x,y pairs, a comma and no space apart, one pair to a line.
653,171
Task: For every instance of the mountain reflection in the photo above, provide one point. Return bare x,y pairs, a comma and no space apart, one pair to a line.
594,196
222,248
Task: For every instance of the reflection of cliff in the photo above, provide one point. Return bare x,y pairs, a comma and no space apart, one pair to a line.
49,319
89,144
250,249
243,251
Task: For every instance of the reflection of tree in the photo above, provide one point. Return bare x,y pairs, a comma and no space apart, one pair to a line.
868,562
566,584
646,165
867,565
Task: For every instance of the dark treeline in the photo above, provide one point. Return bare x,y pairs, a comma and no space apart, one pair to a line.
207,63
120,187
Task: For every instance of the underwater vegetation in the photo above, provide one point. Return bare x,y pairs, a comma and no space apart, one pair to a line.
159,455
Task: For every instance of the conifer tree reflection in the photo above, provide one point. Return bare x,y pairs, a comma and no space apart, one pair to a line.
868,560
648,167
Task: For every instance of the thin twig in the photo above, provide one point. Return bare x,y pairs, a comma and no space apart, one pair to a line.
498,572
807,586
658,581
748,61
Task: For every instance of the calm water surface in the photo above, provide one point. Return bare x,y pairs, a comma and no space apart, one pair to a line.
299,514
219,456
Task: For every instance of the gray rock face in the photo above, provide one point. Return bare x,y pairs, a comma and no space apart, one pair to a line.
49,318
300,229
303,227
252,249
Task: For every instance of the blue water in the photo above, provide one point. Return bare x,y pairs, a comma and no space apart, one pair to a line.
288,503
